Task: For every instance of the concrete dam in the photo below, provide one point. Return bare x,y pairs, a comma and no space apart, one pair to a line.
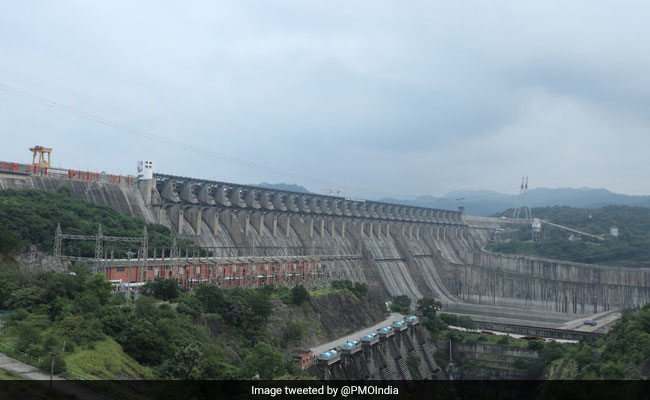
395,249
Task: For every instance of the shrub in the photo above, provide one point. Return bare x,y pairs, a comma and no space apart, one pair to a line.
299,295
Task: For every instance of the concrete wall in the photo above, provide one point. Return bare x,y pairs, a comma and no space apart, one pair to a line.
404,250
533,330
482,361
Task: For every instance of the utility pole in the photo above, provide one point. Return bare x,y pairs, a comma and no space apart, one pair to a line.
522,201
53,353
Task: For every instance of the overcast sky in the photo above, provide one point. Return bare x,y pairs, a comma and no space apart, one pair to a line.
378,97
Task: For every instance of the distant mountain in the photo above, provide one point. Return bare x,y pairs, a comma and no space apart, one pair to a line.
283,186
485,202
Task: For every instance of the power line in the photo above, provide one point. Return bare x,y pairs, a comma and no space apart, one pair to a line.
179,144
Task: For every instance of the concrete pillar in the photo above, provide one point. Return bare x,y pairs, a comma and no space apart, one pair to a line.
247,223
311,227
181,217
213,222
198,221
370,229
146,187
410,231
332,228
343,229
287,227
403,230
361,230
387,231
275,225
321,229
417,232
261,224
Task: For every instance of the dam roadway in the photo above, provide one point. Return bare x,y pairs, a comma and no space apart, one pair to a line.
336,343
394,249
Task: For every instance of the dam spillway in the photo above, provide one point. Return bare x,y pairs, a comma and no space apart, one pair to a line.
404,250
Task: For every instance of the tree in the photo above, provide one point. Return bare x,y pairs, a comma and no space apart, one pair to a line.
162,289
449,319
57,308
187,363
400,303
299,295
293,332
264,361
142,341
10,241
28,334
535,345
428,305
360,290
7,287
412,362
433,323
190,305
465,322
27,298
99,287
211,297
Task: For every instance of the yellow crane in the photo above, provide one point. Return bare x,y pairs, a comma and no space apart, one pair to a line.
40,152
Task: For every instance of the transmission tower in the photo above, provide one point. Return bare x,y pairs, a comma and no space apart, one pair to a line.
522,201
58,241
99,245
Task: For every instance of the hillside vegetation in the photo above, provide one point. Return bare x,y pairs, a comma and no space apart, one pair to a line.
167,333
30,217
624,353
630,249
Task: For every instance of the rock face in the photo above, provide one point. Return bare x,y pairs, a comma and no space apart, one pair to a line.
327,317
396,250
34,260
483,361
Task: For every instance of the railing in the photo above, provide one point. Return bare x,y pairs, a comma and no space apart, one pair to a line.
36,361
71,174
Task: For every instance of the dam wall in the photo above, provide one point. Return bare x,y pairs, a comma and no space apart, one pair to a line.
399,250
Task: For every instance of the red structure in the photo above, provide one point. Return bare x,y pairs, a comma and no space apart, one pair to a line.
71,174
303,358
223,275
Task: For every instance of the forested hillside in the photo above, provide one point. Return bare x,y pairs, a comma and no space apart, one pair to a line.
624,353
630,249
31,216
167,333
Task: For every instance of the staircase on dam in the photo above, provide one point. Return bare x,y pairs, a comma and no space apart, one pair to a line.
403,369
386,374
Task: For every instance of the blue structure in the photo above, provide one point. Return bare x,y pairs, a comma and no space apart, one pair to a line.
386,331
399,326
351,347
329,357
370,339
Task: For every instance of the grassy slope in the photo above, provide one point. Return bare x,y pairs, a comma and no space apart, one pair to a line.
8,375
106,360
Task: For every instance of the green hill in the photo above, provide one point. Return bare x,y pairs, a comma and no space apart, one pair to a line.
630,249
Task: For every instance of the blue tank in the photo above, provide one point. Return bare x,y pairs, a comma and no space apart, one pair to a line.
350,345
327,355
411,319
369,337
385,329
399,325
